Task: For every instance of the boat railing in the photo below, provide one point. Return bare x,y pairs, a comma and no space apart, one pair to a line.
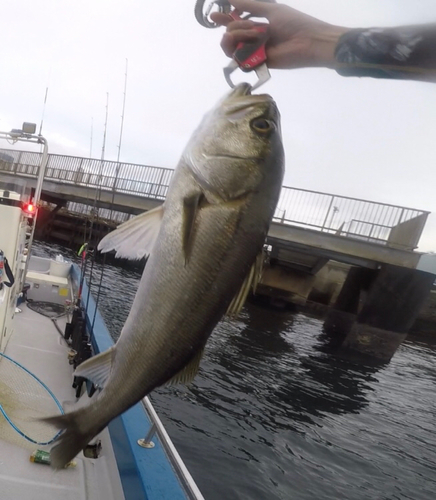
157,428
27,134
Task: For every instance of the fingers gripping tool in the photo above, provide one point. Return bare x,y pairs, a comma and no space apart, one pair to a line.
248,56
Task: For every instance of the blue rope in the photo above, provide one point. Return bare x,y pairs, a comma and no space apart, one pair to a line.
47,389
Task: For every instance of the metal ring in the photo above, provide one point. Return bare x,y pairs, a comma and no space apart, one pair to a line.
203,17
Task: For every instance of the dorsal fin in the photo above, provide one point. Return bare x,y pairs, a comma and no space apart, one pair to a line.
135,238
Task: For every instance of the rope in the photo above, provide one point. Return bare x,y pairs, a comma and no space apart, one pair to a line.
47,389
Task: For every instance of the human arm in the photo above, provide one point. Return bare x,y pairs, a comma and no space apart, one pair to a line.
407,52
297,40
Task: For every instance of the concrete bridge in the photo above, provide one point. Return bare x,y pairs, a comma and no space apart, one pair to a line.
309,228
350,230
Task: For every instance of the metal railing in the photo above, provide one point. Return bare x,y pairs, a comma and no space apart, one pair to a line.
381,223
103,213
180,468
132,178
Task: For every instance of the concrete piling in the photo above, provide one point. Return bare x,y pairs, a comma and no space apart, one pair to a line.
380,323
342,314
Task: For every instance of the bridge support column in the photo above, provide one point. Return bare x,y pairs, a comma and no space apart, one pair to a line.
393,302
45,220
343,313
285,285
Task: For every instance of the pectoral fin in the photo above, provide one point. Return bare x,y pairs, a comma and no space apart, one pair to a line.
251,281
135,238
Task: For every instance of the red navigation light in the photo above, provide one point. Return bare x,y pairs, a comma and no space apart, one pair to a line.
29,208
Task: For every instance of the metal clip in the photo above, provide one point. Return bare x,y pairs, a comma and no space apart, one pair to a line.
202,15
261,71
248,56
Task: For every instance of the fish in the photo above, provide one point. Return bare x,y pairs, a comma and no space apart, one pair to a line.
201,245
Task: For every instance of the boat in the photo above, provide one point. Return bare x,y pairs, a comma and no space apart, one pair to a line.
49,324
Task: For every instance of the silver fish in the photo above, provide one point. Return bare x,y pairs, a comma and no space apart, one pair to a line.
202,243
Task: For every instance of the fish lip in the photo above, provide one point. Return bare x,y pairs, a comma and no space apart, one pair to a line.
241,89
240,99
230,156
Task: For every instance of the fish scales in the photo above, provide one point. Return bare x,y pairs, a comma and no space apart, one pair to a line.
204,240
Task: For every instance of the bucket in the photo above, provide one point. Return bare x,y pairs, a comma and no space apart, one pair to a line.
60,269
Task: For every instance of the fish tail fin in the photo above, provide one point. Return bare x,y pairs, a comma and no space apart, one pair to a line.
73,440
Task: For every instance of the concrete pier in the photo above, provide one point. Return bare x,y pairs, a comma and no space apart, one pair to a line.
376,322
343,312
71,229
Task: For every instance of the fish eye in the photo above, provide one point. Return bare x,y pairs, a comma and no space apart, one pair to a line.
262,125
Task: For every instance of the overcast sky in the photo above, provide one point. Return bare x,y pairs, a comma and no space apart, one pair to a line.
365,138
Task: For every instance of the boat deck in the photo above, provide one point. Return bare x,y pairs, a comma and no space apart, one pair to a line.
37,345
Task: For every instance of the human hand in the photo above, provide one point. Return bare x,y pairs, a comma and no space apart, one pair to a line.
296,40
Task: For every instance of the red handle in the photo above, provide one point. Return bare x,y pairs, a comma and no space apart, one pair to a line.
249,55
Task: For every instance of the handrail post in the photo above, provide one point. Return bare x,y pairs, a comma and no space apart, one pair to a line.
117,172
160,182
42,168
17,162
147,442
36,198
401,216
327,214
78,177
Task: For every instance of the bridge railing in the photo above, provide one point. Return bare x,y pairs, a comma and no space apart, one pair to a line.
84,209
142,180
382,223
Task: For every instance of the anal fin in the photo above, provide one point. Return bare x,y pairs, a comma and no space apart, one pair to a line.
187,374
97,369
250,282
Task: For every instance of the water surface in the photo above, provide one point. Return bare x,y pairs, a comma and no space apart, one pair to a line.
274,414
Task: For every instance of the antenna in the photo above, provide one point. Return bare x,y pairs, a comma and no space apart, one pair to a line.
105,127
43,110
122,116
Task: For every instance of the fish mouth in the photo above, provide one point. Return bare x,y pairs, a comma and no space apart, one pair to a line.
244,89
240,100
229,157
241,89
